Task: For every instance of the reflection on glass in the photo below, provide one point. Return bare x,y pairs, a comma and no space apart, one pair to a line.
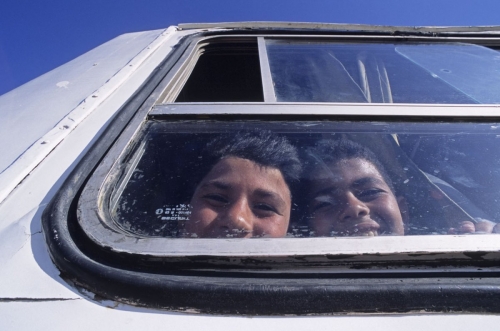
473,70
308,179
450,73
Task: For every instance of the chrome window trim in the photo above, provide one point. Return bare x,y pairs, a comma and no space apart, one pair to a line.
486,39
329,109
331,27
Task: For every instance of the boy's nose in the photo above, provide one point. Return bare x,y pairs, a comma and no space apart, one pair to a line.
238,219
353,208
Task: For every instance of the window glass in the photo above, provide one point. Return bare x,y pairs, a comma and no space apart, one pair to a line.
216,179
384,73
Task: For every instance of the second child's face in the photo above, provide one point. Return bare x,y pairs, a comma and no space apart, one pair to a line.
351,198
238,198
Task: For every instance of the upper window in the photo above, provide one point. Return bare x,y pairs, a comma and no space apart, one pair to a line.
292,70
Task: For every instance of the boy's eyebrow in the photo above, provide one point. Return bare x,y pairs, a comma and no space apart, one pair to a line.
368,180
262,193
275,198
356,183
217,183
324,191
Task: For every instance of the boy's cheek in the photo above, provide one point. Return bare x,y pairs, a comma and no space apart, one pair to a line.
275,228
321,226
199,220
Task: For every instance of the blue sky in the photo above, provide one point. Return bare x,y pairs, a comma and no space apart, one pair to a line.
38,36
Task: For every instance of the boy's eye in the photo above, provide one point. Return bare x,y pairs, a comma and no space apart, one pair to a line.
371,193
216,199
322,202
264,209
320,206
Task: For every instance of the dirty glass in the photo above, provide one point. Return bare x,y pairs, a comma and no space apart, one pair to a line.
216,179
451,73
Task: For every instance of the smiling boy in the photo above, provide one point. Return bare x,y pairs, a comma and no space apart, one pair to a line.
244,189
350,194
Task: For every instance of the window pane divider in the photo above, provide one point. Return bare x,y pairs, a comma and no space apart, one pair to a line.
488,112
265,72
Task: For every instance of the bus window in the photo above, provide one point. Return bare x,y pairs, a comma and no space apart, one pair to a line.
383,73
430,171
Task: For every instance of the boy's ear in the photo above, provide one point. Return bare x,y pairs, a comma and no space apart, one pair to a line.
403,208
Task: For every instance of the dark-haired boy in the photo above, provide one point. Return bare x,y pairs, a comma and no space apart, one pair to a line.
350,193
244,189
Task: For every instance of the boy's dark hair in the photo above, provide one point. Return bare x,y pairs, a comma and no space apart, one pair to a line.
328,152
260,146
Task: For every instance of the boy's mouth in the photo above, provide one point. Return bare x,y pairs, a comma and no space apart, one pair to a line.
365,228
369,234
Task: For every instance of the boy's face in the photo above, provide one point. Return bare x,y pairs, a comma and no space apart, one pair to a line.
239,199
351,198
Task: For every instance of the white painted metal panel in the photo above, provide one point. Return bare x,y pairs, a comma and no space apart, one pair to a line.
27,270
34,108
31,129
81,314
